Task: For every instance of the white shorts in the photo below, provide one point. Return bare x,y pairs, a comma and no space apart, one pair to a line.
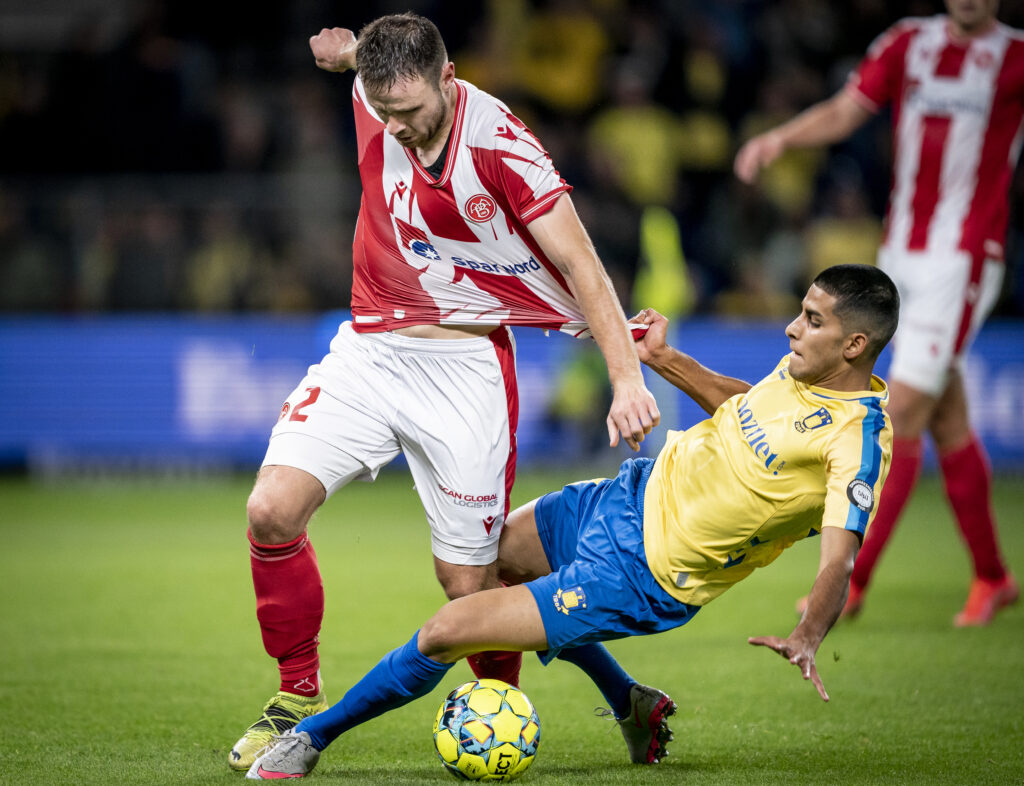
450,405
944,299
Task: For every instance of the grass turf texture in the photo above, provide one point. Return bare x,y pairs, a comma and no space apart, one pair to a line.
129,651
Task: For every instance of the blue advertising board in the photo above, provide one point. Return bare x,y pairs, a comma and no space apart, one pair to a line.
141,392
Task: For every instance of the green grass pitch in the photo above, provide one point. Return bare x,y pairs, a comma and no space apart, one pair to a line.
129,651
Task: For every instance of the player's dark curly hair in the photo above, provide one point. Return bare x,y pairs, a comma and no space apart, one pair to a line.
866,302
397,47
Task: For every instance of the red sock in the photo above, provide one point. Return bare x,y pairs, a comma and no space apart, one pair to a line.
497,665
968,480
903,474
290,609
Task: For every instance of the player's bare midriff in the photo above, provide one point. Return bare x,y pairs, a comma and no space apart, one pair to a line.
444,331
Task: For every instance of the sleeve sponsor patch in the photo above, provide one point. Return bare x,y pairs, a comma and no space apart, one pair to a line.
861,495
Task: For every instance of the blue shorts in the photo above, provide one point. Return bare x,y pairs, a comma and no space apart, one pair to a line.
600,587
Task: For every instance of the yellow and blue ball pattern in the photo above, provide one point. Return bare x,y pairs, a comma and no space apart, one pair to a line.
486,730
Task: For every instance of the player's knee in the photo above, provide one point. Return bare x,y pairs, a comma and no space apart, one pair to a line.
909,419
460,585
949,434
269,520
950,427
437,637
511,571
461,580
910,410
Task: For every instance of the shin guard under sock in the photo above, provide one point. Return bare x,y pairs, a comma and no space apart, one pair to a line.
290,609
399,677
497,665
967,478
609,677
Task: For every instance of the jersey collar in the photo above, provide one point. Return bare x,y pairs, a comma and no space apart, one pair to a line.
453,143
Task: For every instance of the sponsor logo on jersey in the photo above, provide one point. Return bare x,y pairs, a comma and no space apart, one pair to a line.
480,208
518,269
469,500
930,99
814,420
424,249
567,600
416,240
755,437
861,495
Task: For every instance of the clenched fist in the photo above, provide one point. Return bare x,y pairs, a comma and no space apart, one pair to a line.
334,49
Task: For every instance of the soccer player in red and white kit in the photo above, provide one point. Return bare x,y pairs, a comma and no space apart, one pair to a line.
956,86
465,227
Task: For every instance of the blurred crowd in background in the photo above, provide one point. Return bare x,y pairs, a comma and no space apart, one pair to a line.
189,156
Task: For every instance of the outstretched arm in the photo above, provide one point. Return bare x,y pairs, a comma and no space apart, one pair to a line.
565,242
334,49
823,123
825,603
708,388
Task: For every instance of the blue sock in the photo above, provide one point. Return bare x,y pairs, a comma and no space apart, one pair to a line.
402,675
610,678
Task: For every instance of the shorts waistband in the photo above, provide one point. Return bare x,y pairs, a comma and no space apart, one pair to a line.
432,346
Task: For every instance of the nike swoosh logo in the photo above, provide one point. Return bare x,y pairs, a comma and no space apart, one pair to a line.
267,775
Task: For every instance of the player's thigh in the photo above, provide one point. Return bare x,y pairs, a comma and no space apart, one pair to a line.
460,580
543,534
456,433
521,554
336,424
505,619
943,302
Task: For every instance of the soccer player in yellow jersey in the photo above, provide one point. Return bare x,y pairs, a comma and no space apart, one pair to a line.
803,452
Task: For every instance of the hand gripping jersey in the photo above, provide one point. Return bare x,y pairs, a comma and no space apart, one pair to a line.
457,250
772,466
956,108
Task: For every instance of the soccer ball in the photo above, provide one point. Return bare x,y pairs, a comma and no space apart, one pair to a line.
486,730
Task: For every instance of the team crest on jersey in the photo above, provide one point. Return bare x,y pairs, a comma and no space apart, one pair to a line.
480,208
570,599
815,420
284,411
861,495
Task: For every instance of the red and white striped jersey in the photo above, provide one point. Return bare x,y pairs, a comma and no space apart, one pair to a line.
457,250
957,107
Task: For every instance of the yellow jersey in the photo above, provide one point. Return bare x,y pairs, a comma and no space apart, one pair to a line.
770,467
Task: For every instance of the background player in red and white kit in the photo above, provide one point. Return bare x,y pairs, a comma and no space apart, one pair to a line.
465,227
956,86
